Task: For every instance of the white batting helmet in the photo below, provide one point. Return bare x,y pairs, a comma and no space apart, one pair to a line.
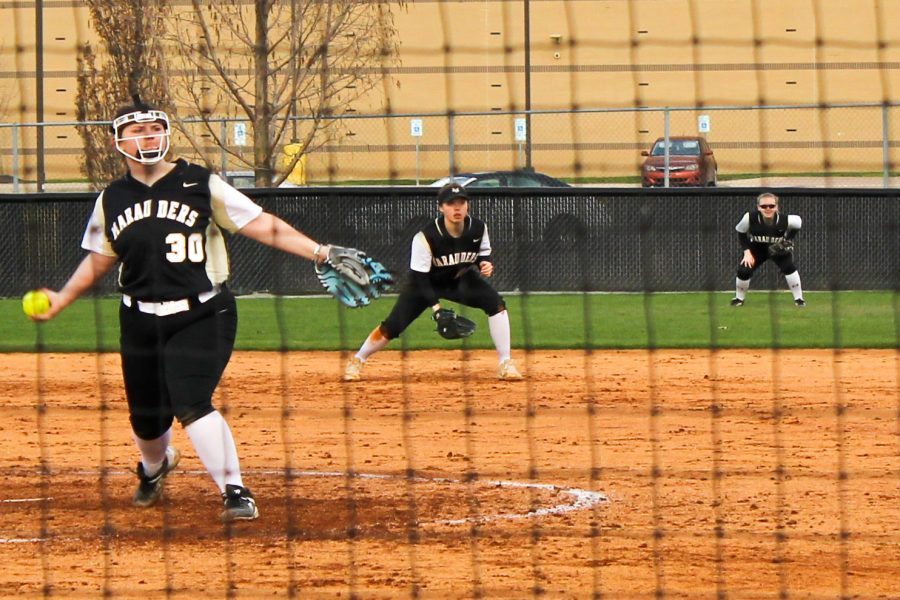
140,112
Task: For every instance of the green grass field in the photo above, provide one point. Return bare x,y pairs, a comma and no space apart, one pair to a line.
541,321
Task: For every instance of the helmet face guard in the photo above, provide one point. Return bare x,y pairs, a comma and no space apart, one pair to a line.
145,157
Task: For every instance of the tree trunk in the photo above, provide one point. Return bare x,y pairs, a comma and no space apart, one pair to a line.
261,127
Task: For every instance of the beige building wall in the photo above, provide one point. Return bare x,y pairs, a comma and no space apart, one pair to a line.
585,55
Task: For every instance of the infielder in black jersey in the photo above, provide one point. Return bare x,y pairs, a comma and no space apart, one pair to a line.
767,234
449,258
162,223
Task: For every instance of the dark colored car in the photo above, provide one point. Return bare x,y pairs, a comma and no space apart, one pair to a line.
493,179
691,163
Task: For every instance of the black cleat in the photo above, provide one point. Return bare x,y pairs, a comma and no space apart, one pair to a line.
737,302
800,302
239,504
150,488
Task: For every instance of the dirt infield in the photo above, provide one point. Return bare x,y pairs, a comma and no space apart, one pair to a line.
747,474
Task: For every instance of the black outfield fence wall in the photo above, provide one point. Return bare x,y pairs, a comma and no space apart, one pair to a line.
593,239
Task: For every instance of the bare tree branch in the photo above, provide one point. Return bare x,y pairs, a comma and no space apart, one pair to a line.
286,67
128,64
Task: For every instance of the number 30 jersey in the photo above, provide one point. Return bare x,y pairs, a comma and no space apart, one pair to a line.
168,236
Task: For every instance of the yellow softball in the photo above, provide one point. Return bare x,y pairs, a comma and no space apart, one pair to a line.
35,302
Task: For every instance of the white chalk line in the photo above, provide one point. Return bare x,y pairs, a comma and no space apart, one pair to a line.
581,499
22,501
13,500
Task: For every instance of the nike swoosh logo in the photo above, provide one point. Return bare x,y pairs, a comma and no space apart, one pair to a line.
476,239
189,184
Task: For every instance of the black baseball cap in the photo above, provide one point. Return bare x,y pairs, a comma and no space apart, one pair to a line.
450,192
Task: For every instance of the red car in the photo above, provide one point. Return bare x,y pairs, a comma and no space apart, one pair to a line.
691,162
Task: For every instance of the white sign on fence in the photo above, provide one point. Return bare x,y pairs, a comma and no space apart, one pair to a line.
240,134
703,124
416,129
521,130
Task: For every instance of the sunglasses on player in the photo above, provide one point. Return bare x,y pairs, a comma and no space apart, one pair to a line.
768,206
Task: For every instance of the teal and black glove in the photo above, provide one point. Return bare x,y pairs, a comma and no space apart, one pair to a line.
352,277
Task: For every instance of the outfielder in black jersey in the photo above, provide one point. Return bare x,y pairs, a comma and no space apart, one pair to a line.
767,234
163,223
449,258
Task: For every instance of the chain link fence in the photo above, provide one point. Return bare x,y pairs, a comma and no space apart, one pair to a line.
559,239
584,146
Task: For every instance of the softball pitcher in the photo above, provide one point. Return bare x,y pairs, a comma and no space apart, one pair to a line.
162,223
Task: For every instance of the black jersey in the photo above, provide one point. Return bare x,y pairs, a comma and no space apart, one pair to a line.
167,235
449,256
754,231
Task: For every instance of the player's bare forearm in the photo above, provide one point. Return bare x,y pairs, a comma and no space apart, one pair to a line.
92,268
272,231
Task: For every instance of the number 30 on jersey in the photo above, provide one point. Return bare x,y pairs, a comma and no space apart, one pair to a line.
183,248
